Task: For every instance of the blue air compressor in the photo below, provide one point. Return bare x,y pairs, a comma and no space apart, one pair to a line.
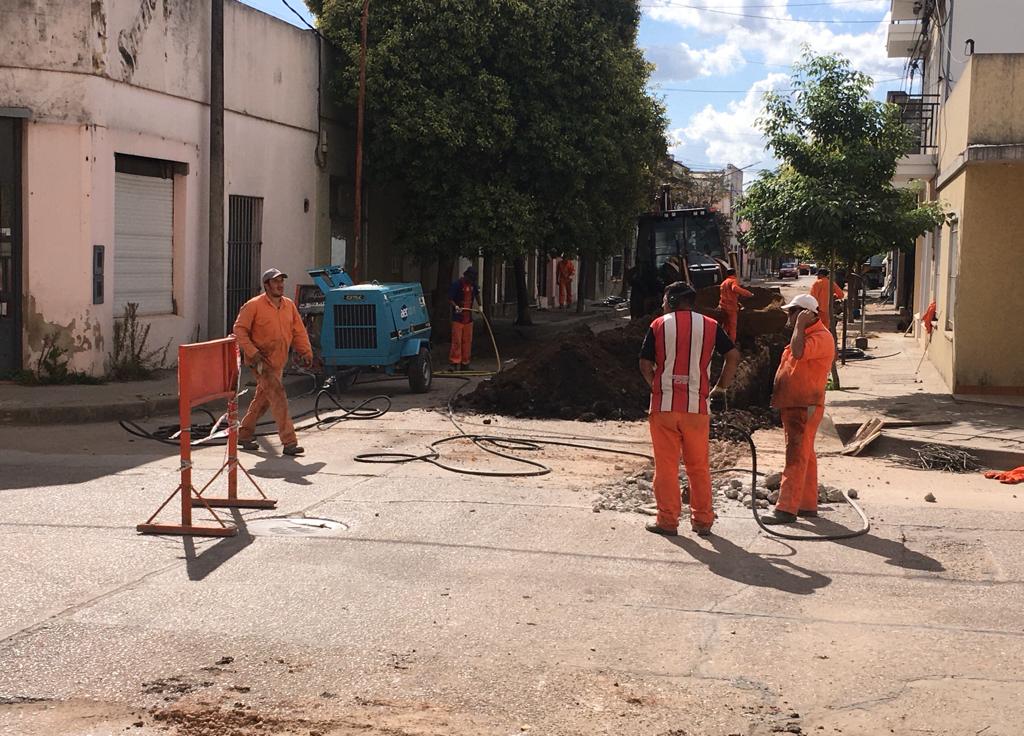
366,327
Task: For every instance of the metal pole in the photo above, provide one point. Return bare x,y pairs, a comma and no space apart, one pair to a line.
215,324
357,223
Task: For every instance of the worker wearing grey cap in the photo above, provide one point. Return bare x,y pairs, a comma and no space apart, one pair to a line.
266,329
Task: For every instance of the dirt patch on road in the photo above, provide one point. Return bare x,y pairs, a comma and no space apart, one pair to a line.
587,376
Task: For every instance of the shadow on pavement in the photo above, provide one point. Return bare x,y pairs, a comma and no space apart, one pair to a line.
731,561
287,469
200,565
896,553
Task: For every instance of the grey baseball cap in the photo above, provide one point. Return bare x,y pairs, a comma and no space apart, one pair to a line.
272,273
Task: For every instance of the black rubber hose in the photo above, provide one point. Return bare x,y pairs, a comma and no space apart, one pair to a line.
783,535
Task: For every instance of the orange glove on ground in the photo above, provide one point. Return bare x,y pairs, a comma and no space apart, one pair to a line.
1009,477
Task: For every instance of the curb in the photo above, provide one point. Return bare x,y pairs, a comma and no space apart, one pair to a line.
133,409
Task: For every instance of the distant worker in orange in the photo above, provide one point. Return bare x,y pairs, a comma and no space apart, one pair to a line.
462,294
799,395
729,294
819,290
565,271
675,361
266,329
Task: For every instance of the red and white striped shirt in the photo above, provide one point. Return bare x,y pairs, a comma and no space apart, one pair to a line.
683,343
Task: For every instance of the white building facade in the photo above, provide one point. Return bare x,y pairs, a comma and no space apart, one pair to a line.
104,134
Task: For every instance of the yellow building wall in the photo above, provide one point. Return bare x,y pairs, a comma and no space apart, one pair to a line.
942,351
954,120
990,300
997,99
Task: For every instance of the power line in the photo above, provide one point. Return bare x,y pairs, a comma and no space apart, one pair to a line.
745,91
299,15
795,5
760,17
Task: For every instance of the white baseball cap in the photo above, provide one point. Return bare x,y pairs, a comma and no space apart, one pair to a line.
804,301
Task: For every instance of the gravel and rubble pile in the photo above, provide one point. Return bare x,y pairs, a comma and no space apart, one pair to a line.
635,492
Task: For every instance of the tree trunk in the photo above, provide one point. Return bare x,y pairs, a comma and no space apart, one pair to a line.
846,322
581,284
487,287
440,309
522,293
831,314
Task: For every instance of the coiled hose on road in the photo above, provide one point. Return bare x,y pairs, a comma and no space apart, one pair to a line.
497,445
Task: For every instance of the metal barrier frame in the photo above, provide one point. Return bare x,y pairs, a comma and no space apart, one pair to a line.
220,366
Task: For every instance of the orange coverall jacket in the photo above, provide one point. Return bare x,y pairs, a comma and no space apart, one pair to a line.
566,270
271,331
819,290
801,381
729,294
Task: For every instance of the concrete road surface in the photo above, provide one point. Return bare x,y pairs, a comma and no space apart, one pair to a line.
436,603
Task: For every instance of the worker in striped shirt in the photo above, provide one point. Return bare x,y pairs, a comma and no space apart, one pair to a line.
675,360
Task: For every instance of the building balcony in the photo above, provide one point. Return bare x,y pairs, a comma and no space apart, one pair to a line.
906,9
904,39
920,114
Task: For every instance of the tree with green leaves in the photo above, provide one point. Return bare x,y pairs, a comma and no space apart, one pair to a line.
508,126
833,195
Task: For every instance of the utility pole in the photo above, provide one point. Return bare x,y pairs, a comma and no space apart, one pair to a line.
215,322
357,219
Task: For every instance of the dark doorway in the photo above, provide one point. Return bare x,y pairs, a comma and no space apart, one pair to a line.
10,245
245,240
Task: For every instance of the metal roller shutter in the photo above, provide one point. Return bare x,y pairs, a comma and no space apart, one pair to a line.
143,243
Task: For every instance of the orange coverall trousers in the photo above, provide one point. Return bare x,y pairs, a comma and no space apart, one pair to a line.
675,433
799,490
462,343
565,292
269,394
729,320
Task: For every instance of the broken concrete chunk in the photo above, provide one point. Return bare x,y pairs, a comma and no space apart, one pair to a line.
852,493
732,493
736,483
930,498
773,481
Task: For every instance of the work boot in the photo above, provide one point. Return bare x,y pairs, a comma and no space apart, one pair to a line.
778,517
248,445
701,531
810,513
655,529
293,449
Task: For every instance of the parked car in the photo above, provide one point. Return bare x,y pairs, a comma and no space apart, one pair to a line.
789,271
804,268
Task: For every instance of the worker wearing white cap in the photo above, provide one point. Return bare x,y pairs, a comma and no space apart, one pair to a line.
799,395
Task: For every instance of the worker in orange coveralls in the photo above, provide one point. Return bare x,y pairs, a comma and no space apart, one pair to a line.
819,290
675,360
266,329
799,395
461,296
566,270
728,301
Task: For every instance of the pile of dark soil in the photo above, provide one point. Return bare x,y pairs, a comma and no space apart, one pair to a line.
587,376
578,375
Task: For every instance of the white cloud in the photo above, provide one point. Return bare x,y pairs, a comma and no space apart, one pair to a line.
679,62
781,42
729,135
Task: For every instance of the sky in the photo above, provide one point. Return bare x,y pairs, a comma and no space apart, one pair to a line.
714,59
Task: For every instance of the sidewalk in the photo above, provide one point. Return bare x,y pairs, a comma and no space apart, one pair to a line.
27,405
80,404
886,386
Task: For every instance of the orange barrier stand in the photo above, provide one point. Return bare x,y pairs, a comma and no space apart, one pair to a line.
207,371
